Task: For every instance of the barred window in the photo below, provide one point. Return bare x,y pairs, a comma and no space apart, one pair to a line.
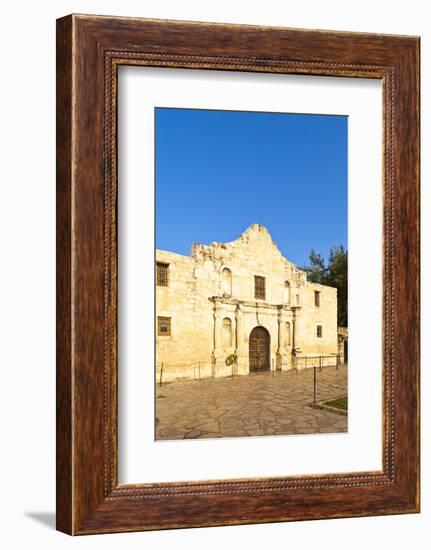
259,287
317,298
162,274
319,331
163,326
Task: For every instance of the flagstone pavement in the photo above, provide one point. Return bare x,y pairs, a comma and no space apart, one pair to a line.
258,404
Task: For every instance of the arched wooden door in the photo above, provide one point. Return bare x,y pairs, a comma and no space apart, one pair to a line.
258,350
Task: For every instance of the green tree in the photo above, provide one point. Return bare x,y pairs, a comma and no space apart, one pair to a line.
316,271
334,273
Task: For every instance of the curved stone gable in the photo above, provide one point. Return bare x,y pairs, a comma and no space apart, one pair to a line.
253,244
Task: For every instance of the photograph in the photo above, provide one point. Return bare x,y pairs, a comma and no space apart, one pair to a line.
251,273
211,303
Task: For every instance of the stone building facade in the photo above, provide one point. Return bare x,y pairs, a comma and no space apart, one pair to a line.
241,299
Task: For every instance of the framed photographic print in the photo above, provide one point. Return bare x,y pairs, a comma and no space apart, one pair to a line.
237,274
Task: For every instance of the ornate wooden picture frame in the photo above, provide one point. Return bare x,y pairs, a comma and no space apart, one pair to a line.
89,51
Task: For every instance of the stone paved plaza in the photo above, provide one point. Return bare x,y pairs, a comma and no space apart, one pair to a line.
257,404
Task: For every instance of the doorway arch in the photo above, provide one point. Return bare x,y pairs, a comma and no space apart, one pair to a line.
258,349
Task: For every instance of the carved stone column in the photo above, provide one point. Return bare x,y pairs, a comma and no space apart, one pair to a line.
283,359
218,355
240,348
296,350
217,329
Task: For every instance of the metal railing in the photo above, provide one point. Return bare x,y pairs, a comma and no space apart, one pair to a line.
320,361
317,363
299,363
195,367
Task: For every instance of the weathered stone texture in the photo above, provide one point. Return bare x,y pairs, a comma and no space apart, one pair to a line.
213,290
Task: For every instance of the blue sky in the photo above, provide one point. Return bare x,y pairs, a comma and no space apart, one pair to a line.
218,172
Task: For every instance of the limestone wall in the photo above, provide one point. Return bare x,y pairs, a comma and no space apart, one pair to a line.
312,316
214,289
185,301
253,253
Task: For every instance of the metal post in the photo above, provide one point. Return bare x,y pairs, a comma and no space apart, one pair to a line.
314,385
161,375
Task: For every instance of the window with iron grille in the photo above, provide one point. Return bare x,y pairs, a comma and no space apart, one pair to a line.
163,326
259,287
162,274
317,298
319,331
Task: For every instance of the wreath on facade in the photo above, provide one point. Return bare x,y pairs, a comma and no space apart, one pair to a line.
231,359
